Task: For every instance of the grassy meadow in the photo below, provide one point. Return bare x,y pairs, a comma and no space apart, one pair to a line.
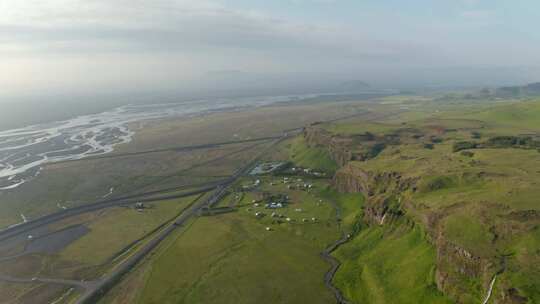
233,258
482,200
388,265
472,196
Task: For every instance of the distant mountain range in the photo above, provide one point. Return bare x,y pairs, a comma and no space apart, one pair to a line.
531,89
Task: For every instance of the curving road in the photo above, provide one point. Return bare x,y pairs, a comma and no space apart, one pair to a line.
91,295
93,290
129,199
54,217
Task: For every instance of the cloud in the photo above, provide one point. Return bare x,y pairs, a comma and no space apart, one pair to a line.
315,1
478,14
470,3
177,42
168,25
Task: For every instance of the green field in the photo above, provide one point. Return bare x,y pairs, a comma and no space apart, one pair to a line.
433,224
484,203
388,265
249,264
464,199
118,228
315,158
81,182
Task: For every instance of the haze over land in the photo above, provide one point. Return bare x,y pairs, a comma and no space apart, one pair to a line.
59,47
257,151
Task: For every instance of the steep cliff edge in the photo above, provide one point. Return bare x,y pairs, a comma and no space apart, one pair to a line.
459,273
339,148
381,190
344,148
477,206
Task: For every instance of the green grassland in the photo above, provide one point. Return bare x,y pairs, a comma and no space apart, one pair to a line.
31,293
395,263
388,265
14,291
352,127
74,183
65,185
484,201
111,232
383,264
80,182
513,118
316,158
118,228
480,200
471,200
349,207
232,258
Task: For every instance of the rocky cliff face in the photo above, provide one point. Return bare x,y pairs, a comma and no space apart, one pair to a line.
351,179
339,148
343,149
383,192
387,196
455,265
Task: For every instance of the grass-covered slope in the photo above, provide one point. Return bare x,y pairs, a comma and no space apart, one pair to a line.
432,224
389,265
315,157
478,209
511,118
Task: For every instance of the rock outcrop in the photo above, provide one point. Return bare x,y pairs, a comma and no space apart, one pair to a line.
338,148
455,265
343,149
388,199
381,190
384,193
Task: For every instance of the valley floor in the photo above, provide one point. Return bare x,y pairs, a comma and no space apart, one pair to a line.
429,201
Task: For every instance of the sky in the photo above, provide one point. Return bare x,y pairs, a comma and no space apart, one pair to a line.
70,46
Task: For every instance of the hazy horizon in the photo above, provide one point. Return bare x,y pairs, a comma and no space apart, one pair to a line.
269,151
62,47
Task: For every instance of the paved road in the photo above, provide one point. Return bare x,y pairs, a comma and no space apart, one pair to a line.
91,295
95,289
130,199
145,197
48,219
